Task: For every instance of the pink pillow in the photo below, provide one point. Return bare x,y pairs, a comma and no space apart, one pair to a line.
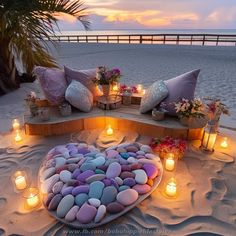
85,77
182,86
53,83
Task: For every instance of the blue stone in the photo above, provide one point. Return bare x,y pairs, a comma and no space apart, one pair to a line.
125,155
109,195
81,198
87,166
123,187
96,189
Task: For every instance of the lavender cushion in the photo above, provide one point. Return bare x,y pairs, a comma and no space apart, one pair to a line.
182,86
85,77
79,96
53,83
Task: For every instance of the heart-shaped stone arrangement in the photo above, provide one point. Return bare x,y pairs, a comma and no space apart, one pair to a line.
85,188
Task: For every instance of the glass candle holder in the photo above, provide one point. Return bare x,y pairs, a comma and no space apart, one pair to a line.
20,180
170,162
171,188
109,130
32,198
18,135
16,124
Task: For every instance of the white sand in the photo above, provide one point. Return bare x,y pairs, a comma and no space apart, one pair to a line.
206,201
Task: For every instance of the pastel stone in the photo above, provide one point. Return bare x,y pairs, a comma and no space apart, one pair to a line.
100,154
114,183
135,166
112,153
83,176
103,167
72,167
81,198
126,174
74,160
132,154
121,150
141,153
72,182
140,176
98,171
107,182
80,189
87,166
94,202
129,182
71,215
67,191
61,168
65,205
142,188
48,183
125,155
125,168
123,187
57,187
115,207
47,199
132,160
60,161
127,197
63,150
109,161
54,202
151,170
65,176
86,213
108,195
119,180
91,154
122,161
150,155
113,170
96,177
83,151
146,149
100,213
99,161
75,174
132,149
48,173
96,189
50,163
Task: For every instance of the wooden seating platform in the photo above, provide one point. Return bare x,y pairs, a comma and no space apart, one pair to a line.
123,118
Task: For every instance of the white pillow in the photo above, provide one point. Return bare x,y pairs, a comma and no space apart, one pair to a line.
153,96
79,96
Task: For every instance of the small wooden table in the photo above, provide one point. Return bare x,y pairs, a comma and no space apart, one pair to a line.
109,103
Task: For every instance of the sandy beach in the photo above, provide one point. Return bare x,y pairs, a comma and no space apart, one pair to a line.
206,202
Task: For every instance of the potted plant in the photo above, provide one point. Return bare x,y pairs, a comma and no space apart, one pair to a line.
31,101
191,113
106,78
169,145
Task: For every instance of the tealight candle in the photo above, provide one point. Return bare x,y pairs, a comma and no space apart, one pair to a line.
139,88
224,143
18,137
115,87
15,124
20,180
171,188
170,162
109,130
32,197
144,91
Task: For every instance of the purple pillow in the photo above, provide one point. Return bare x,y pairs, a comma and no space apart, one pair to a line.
85,77
182,86
53,83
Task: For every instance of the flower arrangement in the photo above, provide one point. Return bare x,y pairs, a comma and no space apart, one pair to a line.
193,108
214,109
169,145
125,88
104,76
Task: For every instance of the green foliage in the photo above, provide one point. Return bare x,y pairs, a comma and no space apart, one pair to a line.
26,26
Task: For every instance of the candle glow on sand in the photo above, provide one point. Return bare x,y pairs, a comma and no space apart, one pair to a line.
224,143
18,136
109,130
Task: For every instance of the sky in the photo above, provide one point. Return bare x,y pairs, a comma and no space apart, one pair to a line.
157,14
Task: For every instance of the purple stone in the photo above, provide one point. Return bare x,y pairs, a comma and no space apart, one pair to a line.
83,176
86,213
67,190
115,184
83,151
125,168
107,182
76,173
81,161
150,170
129,182
104,168
132,154
80,189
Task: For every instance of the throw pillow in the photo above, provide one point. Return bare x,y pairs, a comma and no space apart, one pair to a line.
53,83
153,96
79,96
182,86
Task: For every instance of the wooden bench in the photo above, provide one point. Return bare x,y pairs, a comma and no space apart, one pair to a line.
123,118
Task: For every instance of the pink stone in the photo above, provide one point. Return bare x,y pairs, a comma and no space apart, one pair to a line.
142,188
86,213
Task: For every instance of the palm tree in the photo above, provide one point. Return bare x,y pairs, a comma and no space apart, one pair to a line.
25,29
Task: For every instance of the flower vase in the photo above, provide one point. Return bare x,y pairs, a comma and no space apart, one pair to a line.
106,88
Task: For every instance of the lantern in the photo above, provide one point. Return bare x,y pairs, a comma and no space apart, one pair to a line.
209,137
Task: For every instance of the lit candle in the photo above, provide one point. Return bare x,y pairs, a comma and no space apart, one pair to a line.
171,188
139,88
224,143
144,91
170,162
18,137
32,197
115,87
209,140
20,182
15,124
109,130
